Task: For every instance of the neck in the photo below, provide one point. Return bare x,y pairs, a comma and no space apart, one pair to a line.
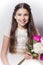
21,27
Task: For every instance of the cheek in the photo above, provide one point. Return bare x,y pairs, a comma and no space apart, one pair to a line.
27,18
17,18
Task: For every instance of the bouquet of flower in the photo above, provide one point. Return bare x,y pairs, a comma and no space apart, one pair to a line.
37,48
38,45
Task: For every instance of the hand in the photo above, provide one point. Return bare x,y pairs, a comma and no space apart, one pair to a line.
28,55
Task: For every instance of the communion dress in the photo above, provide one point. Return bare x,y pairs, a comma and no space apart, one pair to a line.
22,39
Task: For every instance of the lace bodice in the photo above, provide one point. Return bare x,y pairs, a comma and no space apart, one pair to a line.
21,35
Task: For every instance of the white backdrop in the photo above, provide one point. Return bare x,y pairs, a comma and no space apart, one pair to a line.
6,10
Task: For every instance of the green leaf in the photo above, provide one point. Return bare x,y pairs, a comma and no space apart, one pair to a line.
34,41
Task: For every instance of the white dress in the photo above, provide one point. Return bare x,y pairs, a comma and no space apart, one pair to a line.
22,39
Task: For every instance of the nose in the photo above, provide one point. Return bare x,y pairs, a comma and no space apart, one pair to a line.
22,17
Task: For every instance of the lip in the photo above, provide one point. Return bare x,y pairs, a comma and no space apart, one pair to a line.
23,21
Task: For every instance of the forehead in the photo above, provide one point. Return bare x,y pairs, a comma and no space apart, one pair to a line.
22,10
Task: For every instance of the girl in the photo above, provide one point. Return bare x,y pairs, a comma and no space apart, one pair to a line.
21,32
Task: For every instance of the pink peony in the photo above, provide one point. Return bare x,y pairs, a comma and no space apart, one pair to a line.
37,38
41,57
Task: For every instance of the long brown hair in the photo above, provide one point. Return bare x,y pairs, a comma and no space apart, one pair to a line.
31,30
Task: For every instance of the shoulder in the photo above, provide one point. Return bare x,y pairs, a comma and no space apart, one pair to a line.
7,31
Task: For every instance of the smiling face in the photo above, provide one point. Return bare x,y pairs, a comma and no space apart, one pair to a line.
22,17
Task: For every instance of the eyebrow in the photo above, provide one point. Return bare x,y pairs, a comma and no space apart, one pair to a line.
24,13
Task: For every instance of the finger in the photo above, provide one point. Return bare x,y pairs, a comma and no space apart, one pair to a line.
28,53
28,57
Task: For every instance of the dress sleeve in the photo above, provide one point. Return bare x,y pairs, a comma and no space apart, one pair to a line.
7,31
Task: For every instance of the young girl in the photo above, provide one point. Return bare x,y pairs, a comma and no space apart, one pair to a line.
21,32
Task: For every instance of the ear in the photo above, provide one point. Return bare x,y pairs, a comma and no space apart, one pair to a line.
15,17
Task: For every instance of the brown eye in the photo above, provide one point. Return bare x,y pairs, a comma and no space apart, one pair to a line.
19,14
26,14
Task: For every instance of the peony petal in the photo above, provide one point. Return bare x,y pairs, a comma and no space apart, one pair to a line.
41,57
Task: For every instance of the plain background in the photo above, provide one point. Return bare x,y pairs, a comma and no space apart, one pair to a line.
6,10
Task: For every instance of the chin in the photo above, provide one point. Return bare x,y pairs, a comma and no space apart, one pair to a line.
23,25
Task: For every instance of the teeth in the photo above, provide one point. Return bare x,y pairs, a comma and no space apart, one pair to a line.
22,21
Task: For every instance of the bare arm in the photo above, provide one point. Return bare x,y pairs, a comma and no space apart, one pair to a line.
4,50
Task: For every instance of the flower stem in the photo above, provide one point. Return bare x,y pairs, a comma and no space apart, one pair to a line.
21,61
